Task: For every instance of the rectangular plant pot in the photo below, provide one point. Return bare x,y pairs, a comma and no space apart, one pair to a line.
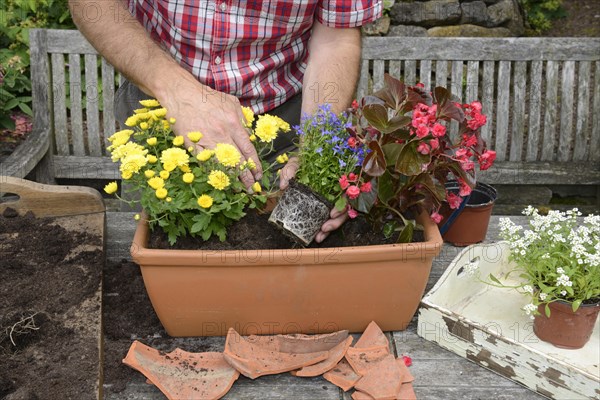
485,324
203,293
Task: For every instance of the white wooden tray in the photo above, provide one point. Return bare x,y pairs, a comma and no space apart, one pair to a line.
485,324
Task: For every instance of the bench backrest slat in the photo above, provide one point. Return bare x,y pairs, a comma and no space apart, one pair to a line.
59,101
76,106
92,111
583,105
108,97
535,98
595,140
518,110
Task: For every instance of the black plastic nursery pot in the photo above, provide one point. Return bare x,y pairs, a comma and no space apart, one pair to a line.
469,225
300,213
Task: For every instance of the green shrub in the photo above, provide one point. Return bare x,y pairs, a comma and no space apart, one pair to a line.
17,17
540,13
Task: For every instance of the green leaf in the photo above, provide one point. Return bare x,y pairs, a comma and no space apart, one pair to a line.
366,200
26,109
12,103
547,310
376,115
201,221
406,234
494,279
575,305
374,163
387,190
340,204
410,160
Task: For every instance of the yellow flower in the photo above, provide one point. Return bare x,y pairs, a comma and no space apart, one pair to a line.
284,126
185,168
111,188
158,113
140,110
218,179
227,154
168,199
166,125
267,128
119,138
150,103
161,193
253,138
149,173
282,158
132,121
190,149
248,116
156,183
144,125
178,141
126,175
251,164
129,148
136,217
143,116
151,159
188,177
152,141
164,174
173,158
204,155
132,163
256,187
172,120
205,201
195,136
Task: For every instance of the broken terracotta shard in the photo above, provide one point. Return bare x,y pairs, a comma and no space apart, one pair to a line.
183,375
362,360
383,379
342,375
406,392
335,355
300,343
361,396
253,359
373,336
406,375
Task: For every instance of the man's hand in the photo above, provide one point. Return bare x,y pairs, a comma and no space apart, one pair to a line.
336,217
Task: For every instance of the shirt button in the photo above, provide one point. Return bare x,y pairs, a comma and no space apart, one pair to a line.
223,6
218,60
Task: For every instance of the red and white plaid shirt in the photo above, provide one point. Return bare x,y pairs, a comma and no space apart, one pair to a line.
254,50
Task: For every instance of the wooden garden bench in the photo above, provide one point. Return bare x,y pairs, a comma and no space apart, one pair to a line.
540,95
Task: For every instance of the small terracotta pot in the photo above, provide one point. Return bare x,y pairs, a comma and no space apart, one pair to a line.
320,290
471,225
300,213
564,328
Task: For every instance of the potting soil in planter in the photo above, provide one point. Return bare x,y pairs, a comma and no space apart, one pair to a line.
49,309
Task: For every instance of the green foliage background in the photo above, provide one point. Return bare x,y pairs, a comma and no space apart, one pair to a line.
540,13
17,17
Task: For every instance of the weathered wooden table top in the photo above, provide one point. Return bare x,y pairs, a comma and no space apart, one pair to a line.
439,374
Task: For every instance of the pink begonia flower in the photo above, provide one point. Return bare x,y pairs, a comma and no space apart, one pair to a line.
469,140
422,131
476,106
487,159
436,217
465,189
353,192
467,165
434,143
344,182
365,187
461,153
354,104
352,213
407,360
423,148
477,121
438,130
352,177
453,200
352,141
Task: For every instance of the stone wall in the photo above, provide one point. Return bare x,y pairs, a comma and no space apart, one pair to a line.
478,18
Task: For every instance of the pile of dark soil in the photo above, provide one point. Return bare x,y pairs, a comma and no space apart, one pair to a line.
582,19
46,275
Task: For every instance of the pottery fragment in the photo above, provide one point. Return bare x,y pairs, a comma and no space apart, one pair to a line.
183,375
373,336
361,396
406,392
383,380
253,359
342,375
335,355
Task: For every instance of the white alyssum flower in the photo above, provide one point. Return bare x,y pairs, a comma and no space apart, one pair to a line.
529,308
528,289
543,296
563,293
563,280
559,270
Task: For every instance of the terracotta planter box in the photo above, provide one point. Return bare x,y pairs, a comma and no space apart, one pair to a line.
203,293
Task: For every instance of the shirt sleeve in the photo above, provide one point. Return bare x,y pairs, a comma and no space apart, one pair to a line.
348,13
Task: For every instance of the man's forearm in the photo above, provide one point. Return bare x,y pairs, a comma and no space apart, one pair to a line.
333,68
122,40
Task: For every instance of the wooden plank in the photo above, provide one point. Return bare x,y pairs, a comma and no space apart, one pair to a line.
518,114
542,173
502,114
59,101
85,167
595,140
76,106
456,87
472,81
581,147
50,200
487,100
378,73
425,74
410,72
566,111
535,98
108,101
69,42
441,73
92,111
476,49
395,69
363,81
550,116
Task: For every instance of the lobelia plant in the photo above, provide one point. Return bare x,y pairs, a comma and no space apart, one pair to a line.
556,257
411,153
185,191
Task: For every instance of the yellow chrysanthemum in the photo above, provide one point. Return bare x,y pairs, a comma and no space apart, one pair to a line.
161,193
218,179
190,149
149,173
267,128
185,168
256,187
248,116
152,141
126,175
132,164
156,182
284,126
144,125
136,217
164,174
227,154
178,141
253,138
140,110
173,158
166,125
205,155
251,164
119,138
205,201
282,158
188,177
150,103
129,148
168,199
132,121
151,159
172,120
195,136
111,188
158,113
